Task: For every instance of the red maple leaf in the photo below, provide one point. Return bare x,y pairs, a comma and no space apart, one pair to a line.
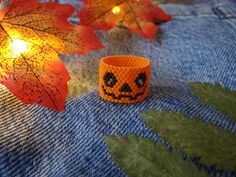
32,35
137,15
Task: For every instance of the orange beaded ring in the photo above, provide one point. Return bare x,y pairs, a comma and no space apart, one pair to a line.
124,79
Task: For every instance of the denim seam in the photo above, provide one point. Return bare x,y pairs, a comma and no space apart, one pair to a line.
225,13
194,16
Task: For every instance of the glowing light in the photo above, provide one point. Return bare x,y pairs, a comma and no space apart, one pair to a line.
116,10
19,47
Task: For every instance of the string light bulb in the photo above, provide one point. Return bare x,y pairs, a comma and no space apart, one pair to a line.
116,10
18,47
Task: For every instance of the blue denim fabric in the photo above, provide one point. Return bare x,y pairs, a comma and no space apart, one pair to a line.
198,45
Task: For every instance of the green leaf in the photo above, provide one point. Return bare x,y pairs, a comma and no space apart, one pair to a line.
219,98
195,138
140,157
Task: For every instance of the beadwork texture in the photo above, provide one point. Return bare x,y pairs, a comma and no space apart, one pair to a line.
124,79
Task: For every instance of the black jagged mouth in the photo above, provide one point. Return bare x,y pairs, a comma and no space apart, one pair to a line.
119,97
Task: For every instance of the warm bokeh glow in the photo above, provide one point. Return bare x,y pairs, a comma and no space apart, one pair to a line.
116,10
18,47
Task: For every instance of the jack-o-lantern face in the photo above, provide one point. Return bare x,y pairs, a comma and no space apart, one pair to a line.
110,81
125,82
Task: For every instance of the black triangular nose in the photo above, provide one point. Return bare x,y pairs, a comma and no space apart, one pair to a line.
125,88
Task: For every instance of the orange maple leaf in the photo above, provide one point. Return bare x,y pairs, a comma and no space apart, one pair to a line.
137,15
32,35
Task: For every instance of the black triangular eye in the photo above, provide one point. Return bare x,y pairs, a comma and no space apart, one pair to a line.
110,79
141,80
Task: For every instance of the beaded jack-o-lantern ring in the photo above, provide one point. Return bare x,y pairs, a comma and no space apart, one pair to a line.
124,79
